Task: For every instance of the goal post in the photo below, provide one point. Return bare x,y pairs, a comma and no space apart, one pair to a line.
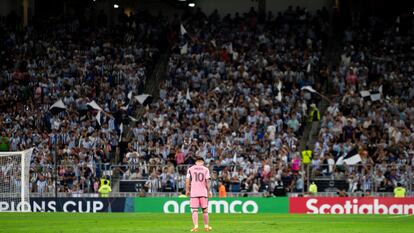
14,181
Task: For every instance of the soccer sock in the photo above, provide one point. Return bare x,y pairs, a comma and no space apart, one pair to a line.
205,217
195,218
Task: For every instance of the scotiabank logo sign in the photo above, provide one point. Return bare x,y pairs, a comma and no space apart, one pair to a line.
345,205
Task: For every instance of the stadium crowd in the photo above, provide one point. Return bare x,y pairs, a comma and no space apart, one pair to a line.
232,96
63,61
373,113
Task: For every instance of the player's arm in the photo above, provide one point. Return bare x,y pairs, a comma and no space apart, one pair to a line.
187,183
208,185
187,187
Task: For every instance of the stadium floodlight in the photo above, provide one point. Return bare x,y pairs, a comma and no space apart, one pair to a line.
14,181
191,4
116,6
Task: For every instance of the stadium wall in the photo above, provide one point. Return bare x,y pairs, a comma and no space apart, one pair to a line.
6,6
241,6
310,5
226,7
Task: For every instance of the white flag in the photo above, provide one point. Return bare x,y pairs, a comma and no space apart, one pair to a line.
279,96
309,88
98,117
133,119
94,105
58,104
184,49
375,97
213,42
121,130
340,161
349,160
188,96
279,85
279,93
364,93
141,98
353,159
129,95
182,30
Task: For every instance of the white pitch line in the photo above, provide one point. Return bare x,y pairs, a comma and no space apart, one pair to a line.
402,216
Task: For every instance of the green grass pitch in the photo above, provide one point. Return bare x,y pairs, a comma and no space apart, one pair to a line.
226,223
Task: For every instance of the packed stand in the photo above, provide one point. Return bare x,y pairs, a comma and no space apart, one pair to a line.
232,96
373,114
75,64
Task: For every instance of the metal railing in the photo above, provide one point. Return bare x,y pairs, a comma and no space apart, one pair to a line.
367,178
229,194
58,181
358,178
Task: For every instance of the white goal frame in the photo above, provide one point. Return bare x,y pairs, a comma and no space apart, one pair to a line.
24,179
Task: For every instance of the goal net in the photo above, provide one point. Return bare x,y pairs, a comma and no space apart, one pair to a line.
14,181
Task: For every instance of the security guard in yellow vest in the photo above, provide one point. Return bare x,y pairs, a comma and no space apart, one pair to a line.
306,156
107,181
314,114
182,195
399,191
105,188
313,188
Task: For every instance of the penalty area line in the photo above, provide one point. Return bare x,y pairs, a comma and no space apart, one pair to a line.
401,216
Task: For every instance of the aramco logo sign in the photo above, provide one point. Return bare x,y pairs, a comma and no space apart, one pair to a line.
215,206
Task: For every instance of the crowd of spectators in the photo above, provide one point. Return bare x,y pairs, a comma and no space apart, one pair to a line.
373,113
64,61
232,96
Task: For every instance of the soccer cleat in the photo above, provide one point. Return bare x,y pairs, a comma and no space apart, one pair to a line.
208,229
194,230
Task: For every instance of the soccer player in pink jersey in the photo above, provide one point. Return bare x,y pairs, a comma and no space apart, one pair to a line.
199,191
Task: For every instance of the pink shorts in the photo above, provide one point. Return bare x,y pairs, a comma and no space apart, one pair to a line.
198,202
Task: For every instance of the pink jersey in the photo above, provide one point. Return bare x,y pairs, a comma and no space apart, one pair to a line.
295,164
180,157
199,176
